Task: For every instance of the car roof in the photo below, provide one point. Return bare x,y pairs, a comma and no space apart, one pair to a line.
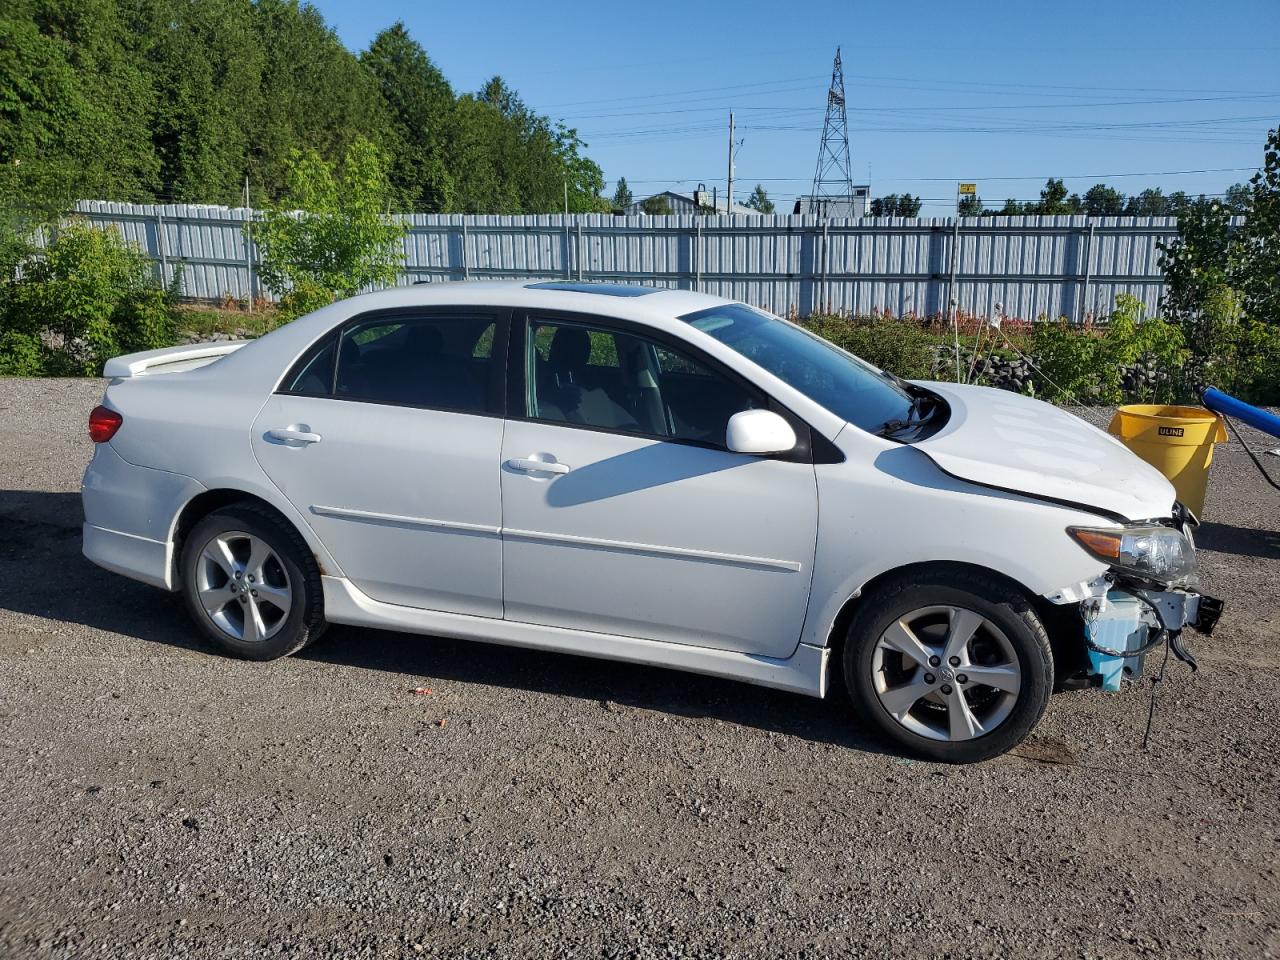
644,303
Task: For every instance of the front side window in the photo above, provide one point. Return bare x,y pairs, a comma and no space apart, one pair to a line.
850,388
440,362
611,380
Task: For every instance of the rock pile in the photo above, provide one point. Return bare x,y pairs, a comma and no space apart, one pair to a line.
187,336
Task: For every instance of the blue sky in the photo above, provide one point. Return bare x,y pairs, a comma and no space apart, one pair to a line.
1005,94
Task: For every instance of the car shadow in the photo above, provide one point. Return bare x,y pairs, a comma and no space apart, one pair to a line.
1241,541
42,573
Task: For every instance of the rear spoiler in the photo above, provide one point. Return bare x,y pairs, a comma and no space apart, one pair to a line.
169,359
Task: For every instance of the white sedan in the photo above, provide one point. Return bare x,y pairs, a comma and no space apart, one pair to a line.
655,476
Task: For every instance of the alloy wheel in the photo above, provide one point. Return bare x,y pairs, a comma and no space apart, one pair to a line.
946,673
242,586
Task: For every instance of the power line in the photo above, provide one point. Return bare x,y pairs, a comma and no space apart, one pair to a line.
979,179
758,108
681,94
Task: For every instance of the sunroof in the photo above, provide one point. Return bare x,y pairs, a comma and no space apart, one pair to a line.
602,289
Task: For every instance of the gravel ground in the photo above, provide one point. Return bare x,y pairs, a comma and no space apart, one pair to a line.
159,800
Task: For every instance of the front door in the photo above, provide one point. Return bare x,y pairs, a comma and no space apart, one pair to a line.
624,513
387,438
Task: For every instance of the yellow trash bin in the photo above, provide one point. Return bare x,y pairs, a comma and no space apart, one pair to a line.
1177,441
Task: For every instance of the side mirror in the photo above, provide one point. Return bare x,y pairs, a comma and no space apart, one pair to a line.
759,432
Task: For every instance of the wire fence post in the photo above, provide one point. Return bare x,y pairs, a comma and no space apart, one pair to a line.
248,245
568,275
951,286
1088,272
462,253
577,250
160,245
696,254
826,264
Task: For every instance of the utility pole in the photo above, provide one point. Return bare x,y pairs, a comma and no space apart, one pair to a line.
728,198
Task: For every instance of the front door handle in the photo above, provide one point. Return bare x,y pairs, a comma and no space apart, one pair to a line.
295,436
529,465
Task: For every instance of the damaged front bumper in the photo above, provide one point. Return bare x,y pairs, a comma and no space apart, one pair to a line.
1123,619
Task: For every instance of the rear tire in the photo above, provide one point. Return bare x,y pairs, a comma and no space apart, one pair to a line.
952,665
250,583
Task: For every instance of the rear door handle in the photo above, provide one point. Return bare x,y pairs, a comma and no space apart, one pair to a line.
528,465
296,436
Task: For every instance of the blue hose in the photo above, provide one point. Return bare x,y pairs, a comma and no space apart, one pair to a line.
1219,402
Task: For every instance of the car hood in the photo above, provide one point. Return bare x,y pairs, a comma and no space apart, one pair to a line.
1002,439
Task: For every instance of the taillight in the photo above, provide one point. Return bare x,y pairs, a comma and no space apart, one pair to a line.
103,424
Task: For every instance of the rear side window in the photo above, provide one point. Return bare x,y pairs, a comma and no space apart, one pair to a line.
315,379
441,362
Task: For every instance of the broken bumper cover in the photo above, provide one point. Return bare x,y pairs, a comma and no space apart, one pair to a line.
1123,620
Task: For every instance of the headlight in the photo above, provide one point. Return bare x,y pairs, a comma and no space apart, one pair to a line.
1152,552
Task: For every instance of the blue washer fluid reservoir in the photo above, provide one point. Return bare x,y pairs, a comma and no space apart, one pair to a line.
1121,623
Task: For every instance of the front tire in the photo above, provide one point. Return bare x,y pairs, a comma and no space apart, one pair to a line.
952,665
250,583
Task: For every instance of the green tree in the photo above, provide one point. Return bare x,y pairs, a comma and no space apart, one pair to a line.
206,63
896,206
970,205
621,195
328,236
759,200
1054,200
885,206
316,95
1101,200
657,206
1149,203
543,159
1223,283
1256,268
42,110
421,103
1237,198
74,96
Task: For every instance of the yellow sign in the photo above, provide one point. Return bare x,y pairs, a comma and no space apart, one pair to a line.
968,188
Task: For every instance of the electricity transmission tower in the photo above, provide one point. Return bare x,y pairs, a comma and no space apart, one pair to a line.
832,181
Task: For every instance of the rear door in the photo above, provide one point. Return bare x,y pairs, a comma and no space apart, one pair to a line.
386,437
623,511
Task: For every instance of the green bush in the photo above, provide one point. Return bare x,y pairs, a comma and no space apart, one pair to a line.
1067,359
329,237
88,296
1090,366
1246,361
20,354
899,346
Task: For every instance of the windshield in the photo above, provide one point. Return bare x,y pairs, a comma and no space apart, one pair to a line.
848,387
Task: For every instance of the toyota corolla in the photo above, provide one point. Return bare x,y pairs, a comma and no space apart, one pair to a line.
655,476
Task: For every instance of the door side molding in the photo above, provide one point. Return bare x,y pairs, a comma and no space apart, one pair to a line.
370,516
679,553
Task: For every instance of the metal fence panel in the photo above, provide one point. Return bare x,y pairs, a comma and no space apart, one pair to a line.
1031,266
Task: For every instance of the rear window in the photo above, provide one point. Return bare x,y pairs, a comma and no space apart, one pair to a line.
441,362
